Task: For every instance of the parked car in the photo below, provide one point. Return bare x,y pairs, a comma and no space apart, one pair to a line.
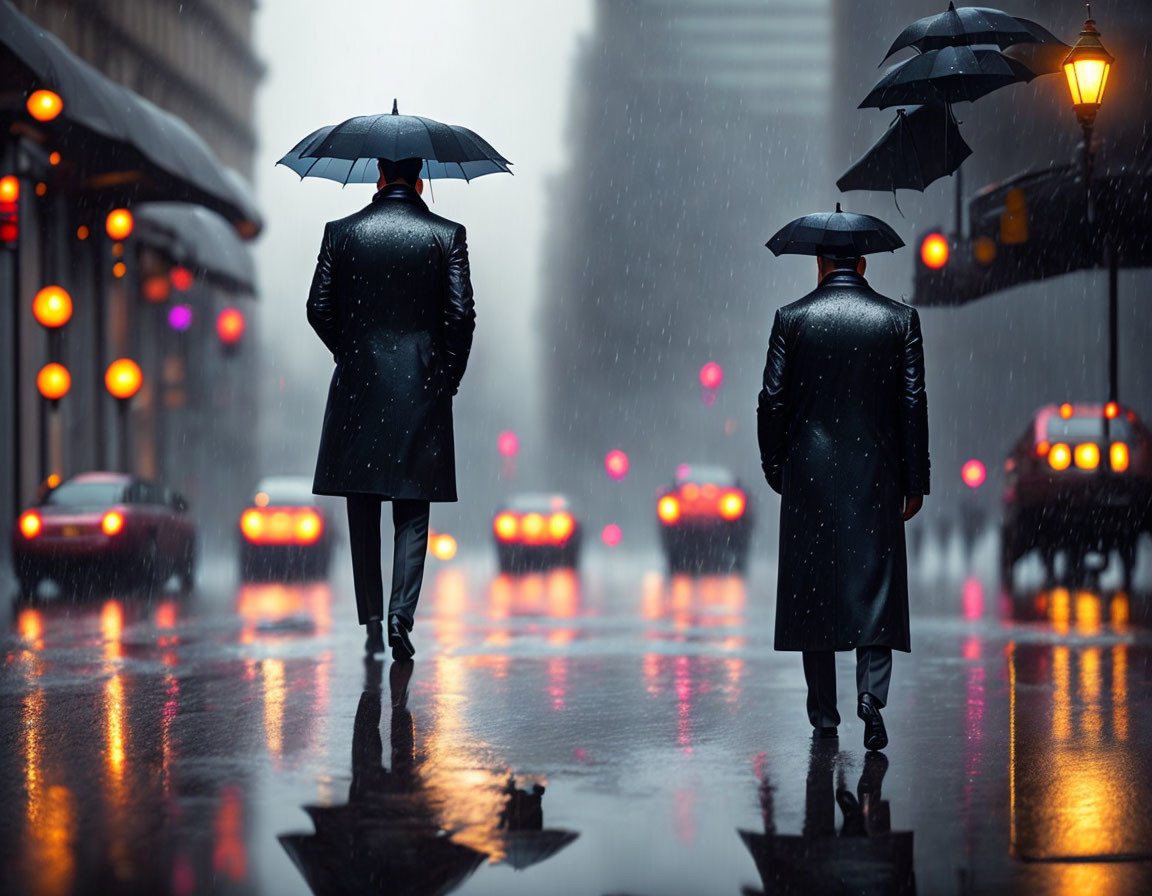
284,533
106,527
705,521
536,531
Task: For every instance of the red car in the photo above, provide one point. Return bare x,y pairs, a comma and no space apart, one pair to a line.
1077,482
536,531
705,521
111,527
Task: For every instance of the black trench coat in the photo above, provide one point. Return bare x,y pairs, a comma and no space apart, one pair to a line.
392,300
843,431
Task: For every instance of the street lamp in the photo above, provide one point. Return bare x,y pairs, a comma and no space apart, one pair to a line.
123,380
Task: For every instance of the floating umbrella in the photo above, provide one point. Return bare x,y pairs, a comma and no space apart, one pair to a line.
920,146
1044,57
835,234
948,75
347,152
965,26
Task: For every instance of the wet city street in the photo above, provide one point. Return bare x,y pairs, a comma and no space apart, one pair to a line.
613,731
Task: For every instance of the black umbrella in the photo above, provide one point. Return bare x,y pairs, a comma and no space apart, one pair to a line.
965,26
835,235
948,75
347,152
1046,56
920,146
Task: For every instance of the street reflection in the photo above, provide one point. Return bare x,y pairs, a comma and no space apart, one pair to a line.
430,818
271,610
865,856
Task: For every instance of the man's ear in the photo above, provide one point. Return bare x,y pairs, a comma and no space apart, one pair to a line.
419,186
862,266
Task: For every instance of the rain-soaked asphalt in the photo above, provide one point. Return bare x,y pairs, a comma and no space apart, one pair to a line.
235,741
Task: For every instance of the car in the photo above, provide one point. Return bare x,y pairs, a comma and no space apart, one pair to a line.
284,533
536,531
109,527
1078,482
705,521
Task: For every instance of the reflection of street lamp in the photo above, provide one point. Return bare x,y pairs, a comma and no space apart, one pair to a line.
1087,67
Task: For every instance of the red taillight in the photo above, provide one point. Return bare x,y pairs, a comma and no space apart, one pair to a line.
1118,455
1111,410
308,527
506,526
1060,456
732,505
668,509
112,522
281,525
561,526
1087,455
30,524
533,527
1042,449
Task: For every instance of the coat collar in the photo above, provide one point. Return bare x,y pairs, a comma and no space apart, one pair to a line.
401,192
844,277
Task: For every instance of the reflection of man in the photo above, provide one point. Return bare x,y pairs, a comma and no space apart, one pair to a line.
843,431
392,299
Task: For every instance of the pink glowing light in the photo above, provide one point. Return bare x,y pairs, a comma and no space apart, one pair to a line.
711,375
508,444
616,463
973,474
611,535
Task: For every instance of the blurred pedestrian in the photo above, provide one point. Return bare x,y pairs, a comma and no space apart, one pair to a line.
843,432
391,298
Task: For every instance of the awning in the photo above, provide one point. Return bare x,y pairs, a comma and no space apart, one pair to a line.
114,128
198,239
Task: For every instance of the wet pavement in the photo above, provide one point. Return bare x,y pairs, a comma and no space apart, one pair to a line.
613,732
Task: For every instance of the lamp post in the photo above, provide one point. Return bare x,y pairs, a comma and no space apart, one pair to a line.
123,380
1087,67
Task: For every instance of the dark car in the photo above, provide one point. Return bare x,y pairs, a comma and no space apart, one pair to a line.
536,531
284,534
1078,482
705,521
109,527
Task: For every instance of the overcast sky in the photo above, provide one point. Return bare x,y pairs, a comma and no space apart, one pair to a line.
501,68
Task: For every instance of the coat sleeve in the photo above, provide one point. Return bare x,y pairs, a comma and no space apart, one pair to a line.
321,303
459,311
771,410
914,411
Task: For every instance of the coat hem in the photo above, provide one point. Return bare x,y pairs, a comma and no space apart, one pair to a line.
348,492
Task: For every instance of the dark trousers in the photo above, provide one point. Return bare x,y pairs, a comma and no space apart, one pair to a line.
410,520
873,672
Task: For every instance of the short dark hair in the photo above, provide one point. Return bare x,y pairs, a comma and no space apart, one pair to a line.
838,263
406,169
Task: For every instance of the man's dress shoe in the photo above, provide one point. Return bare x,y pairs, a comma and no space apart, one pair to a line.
402,648
375,642
875,737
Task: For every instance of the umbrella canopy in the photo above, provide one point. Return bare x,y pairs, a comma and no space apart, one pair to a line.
199,239
920,146
1046,56
965,26
947,75
835,234
347,152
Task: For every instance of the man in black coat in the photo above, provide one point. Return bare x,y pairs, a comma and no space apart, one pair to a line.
392,300
843,431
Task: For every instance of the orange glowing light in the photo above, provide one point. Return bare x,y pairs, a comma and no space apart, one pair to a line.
532,525
82,232
41,189
506,526
1060,456
230,326
308,527
1065,410
252,524
44,105
9,188
155,288
119,270
1087,455
1111,410
261,499
119,223
54,480
53,381
30,524
668,509
443,547
984,250
182,278
52,307
732,505
1118,456
1042,449
561,526
54,158
934,251
112,522
123,378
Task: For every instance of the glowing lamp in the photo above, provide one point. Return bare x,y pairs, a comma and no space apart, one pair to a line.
112,522
155,288
53,381
1087,455
182,278
44,105
508,444
30,524
443,547
973,473
668,509
1059,456
52,307
54,158
180,318
1118,455
230,326
934,251
53,480
1065,411
119,270
119,223
9,188
1087,67
123,378
616,463
611,535
711,375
